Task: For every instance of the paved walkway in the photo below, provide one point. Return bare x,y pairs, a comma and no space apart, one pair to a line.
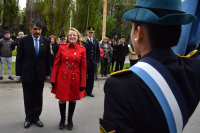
86,116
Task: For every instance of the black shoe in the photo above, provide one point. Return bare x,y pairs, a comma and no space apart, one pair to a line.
91,95
11,78
70,114
27,124
62,108
106,76
1,78
101,75
39,123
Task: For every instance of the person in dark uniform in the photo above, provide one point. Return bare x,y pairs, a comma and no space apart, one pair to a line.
33,68
121,53
160,92
93,56
1,35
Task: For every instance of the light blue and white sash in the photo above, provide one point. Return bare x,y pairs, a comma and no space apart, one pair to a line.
166,90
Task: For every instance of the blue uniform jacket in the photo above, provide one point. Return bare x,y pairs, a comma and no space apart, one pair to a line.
92,53
131,107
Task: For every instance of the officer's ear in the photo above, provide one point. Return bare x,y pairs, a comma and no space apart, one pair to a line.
140,33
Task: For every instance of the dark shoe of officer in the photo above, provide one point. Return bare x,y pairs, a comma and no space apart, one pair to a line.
1,78
27,124
11,78
39,123
63,115
91,95
71,109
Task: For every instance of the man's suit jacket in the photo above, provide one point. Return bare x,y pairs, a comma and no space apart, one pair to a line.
121,51
92,53
30,67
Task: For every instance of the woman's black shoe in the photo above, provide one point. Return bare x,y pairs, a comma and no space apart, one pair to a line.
70,114
61,125
63,116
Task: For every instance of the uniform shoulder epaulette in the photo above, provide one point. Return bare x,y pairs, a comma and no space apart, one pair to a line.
189,55
120,72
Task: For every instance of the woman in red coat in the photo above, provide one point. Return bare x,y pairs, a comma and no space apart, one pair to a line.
69,75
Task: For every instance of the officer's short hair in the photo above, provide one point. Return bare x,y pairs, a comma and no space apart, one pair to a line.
161,35
36,22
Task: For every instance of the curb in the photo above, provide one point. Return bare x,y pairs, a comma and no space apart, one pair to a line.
5,79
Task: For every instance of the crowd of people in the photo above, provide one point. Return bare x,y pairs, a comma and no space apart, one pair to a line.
111,52
157,95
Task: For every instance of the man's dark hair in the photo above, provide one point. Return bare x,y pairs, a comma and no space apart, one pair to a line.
36,22
161,35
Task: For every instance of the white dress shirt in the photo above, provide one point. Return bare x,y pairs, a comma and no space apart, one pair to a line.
38,41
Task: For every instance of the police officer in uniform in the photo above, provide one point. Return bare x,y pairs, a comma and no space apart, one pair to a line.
93,56
160,92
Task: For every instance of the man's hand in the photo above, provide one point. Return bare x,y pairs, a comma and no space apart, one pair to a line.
84,39
97,65
18,78
47,77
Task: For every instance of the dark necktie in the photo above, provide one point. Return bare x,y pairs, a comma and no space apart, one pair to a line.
36,47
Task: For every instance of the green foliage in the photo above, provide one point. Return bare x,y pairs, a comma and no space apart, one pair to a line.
117,9
57,14
81,15
10,11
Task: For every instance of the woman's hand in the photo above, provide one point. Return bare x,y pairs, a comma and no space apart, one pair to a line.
82,88
53,85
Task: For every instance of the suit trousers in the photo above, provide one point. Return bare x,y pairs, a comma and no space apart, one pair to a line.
9,64
121,63
104,67
90,80
33,97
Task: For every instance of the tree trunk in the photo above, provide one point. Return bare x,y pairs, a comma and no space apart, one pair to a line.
88,15
29,13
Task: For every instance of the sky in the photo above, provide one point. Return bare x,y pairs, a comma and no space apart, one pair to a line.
22,4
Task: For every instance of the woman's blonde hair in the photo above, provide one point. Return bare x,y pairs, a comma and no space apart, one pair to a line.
106,38
79,35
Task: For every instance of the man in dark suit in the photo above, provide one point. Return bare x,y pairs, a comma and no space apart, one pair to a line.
93,56
121,53
33,68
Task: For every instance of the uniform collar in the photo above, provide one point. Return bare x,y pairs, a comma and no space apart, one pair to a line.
90,38
160,53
